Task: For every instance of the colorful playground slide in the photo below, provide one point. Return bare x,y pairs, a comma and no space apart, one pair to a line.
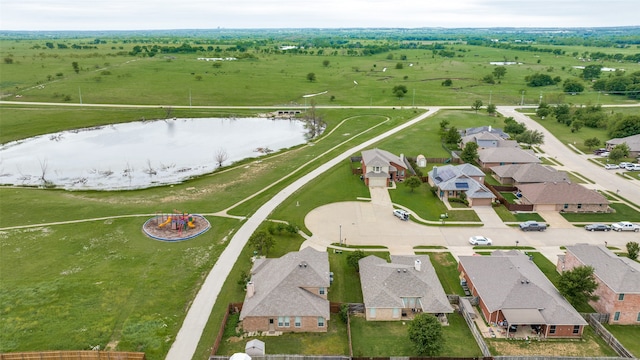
190,224
166,222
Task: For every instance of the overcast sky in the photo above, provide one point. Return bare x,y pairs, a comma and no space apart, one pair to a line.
210,14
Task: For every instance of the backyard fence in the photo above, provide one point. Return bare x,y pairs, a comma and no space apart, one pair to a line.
496,189
474,330
608,337
231,309
287,357
73,355
555,358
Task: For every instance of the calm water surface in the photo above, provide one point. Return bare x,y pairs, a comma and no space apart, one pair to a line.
141,154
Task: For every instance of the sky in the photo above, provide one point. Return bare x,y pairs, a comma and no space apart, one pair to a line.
250,14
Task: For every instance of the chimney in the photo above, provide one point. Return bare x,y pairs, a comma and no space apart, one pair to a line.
489,128
417,264
251,289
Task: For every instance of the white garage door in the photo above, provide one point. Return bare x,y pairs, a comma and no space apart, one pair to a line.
378,182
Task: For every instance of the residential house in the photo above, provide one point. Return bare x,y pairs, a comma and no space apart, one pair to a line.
288,294
563,197
484,129
380,168
396,290
512,290
490,157
528,173
633,142
618,281
453,180
487,139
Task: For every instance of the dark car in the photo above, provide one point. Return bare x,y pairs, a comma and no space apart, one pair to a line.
533,226
597,227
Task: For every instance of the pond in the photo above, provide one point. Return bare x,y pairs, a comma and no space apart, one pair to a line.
142,154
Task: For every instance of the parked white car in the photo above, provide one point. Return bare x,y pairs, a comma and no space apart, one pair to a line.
480,240
611,166
633,167
401,214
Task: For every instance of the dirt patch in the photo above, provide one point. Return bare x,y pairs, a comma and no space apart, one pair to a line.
442,259
547,348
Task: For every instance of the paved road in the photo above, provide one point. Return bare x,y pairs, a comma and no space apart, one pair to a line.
605,180
184,347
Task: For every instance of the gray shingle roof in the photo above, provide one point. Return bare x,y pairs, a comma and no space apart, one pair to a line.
560,193
506,155
621,274
488,128
378,157
450,177
509,280
632,141
385,284
530,173
279,285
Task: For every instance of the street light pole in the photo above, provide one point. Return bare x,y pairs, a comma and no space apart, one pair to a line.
340,236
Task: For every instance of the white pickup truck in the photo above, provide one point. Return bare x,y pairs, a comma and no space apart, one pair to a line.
625,226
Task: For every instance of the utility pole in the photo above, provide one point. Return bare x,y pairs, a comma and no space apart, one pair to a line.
413,103
522,100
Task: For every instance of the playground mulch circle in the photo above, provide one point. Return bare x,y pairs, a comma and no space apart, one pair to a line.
165,233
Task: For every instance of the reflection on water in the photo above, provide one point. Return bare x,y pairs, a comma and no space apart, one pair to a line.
142,154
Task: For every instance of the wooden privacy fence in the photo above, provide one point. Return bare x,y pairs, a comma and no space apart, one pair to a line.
495,189
608,337
73,355
474,330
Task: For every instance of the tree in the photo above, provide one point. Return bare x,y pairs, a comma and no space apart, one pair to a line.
513,127
592,142
425,332
491,109
632,250
499,72
538,79
543,110
221,156
626,126
452,136
572,86
311,76
354,257
470,152
443,126
261,242
447,82
591,72
477,104
488,79
75,66
576,125
413,182
325,63
199,77
399,90
578,285
618,152
399,66
531,137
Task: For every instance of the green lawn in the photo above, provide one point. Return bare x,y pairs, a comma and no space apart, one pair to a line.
446,268
628,336
426,205
508,216
333,342
622,212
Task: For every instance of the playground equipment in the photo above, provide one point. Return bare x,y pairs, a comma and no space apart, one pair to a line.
178,221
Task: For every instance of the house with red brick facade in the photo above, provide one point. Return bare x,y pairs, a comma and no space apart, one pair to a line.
511,290
517,174
402,288
288,294
618,281
380,168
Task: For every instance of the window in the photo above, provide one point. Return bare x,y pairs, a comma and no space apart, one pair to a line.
552,329
616,316
321,291
320,321
638,318
620,297
396,313
377,169
283,321
566,206
298,322
576,329
372,312
579,206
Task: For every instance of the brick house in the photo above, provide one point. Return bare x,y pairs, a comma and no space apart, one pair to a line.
618,281
563,197
512,289
396,290
633,142
380,168
288,294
